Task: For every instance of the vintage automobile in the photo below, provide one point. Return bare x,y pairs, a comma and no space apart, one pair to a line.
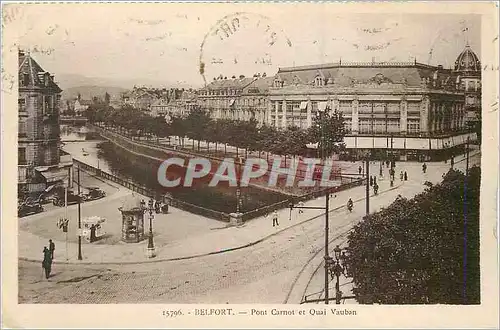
58,199
93,194
29,207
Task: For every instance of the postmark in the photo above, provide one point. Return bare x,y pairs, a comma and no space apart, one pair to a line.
241,40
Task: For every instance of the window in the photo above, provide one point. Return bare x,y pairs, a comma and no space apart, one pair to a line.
345,108
348,125
365,126
413,126
364,108
393,126
21,156
21,105
413,109
22,130
26,79
319,81
280,106
379,126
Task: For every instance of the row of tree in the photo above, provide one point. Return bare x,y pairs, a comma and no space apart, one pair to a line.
327,130
421,251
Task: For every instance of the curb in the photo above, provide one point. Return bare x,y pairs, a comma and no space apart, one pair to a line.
202,254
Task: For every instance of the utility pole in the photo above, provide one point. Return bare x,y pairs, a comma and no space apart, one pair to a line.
79,219
327,257
464,293
367,186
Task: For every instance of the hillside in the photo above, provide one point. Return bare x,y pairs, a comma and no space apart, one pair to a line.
87,92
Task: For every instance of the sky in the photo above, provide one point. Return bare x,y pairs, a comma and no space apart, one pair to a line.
166,43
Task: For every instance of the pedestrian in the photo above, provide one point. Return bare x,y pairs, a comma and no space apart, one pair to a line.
401,175
52,248
424,168
275,219
301,204
47,262
375,189
371,181
374,180
406,176
387,163
359,170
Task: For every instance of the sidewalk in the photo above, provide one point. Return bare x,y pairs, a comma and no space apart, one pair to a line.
221,238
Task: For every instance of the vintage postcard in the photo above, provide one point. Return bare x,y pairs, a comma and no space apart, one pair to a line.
215,165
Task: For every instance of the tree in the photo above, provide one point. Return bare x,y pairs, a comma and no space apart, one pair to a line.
412,252
107,98
196,123
328,131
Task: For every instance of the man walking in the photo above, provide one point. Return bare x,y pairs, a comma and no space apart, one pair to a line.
47,262
52,248
275,219
359,170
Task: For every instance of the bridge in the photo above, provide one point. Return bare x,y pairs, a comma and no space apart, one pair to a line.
72,120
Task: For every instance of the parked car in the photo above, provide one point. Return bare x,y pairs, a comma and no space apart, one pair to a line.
59,198
29,207
93,194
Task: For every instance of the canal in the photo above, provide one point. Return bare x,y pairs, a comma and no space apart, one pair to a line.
90,148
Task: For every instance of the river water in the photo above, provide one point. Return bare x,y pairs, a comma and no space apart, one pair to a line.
83,145
80,143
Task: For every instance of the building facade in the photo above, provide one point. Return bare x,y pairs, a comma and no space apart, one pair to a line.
468,71
409,109
237,98
39,161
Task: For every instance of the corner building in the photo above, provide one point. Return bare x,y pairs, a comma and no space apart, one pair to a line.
410,110
39,161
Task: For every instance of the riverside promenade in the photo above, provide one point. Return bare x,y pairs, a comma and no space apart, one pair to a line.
182,235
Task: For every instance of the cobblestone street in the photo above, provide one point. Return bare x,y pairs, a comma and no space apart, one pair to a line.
262,273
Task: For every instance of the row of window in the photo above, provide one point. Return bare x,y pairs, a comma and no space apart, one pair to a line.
238,102
48,104
219,92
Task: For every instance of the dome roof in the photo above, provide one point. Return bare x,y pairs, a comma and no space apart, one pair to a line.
130,203
467,61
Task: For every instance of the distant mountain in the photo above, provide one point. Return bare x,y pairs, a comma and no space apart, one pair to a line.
68,81
88,92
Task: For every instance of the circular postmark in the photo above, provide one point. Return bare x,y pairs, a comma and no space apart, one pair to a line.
242,44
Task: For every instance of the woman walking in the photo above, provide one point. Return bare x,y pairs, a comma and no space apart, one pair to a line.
47,262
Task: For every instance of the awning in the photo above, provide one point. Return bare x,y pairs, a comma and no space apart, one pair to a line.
303,105
322,106
54,175
231,102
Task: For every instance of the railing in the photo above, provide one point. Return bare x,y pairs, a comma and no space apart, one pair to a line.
351,182
66,158
148,192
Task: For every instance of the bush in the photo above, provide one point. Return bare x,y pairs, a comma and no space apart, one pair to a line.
412,252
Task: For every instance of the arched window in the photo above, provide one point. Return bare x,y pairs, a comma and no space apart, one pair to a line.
318,81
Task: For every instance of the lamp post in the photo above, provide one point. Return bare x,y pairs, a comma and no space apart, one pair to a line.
79,219
338,267
151,245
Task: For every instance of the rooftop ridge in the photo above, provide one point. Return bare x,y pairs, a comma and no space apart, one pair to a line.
356,64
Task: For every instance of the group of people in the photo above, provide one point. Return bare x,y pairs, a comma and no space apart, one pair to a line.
48,257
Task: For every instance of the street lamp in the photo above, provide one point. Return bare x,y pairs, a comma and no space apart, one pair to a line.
151,245
338,267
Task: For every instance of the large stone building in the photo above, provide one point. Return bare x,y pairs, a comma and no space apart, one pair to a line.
39,161
468,71
237,98
408,109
